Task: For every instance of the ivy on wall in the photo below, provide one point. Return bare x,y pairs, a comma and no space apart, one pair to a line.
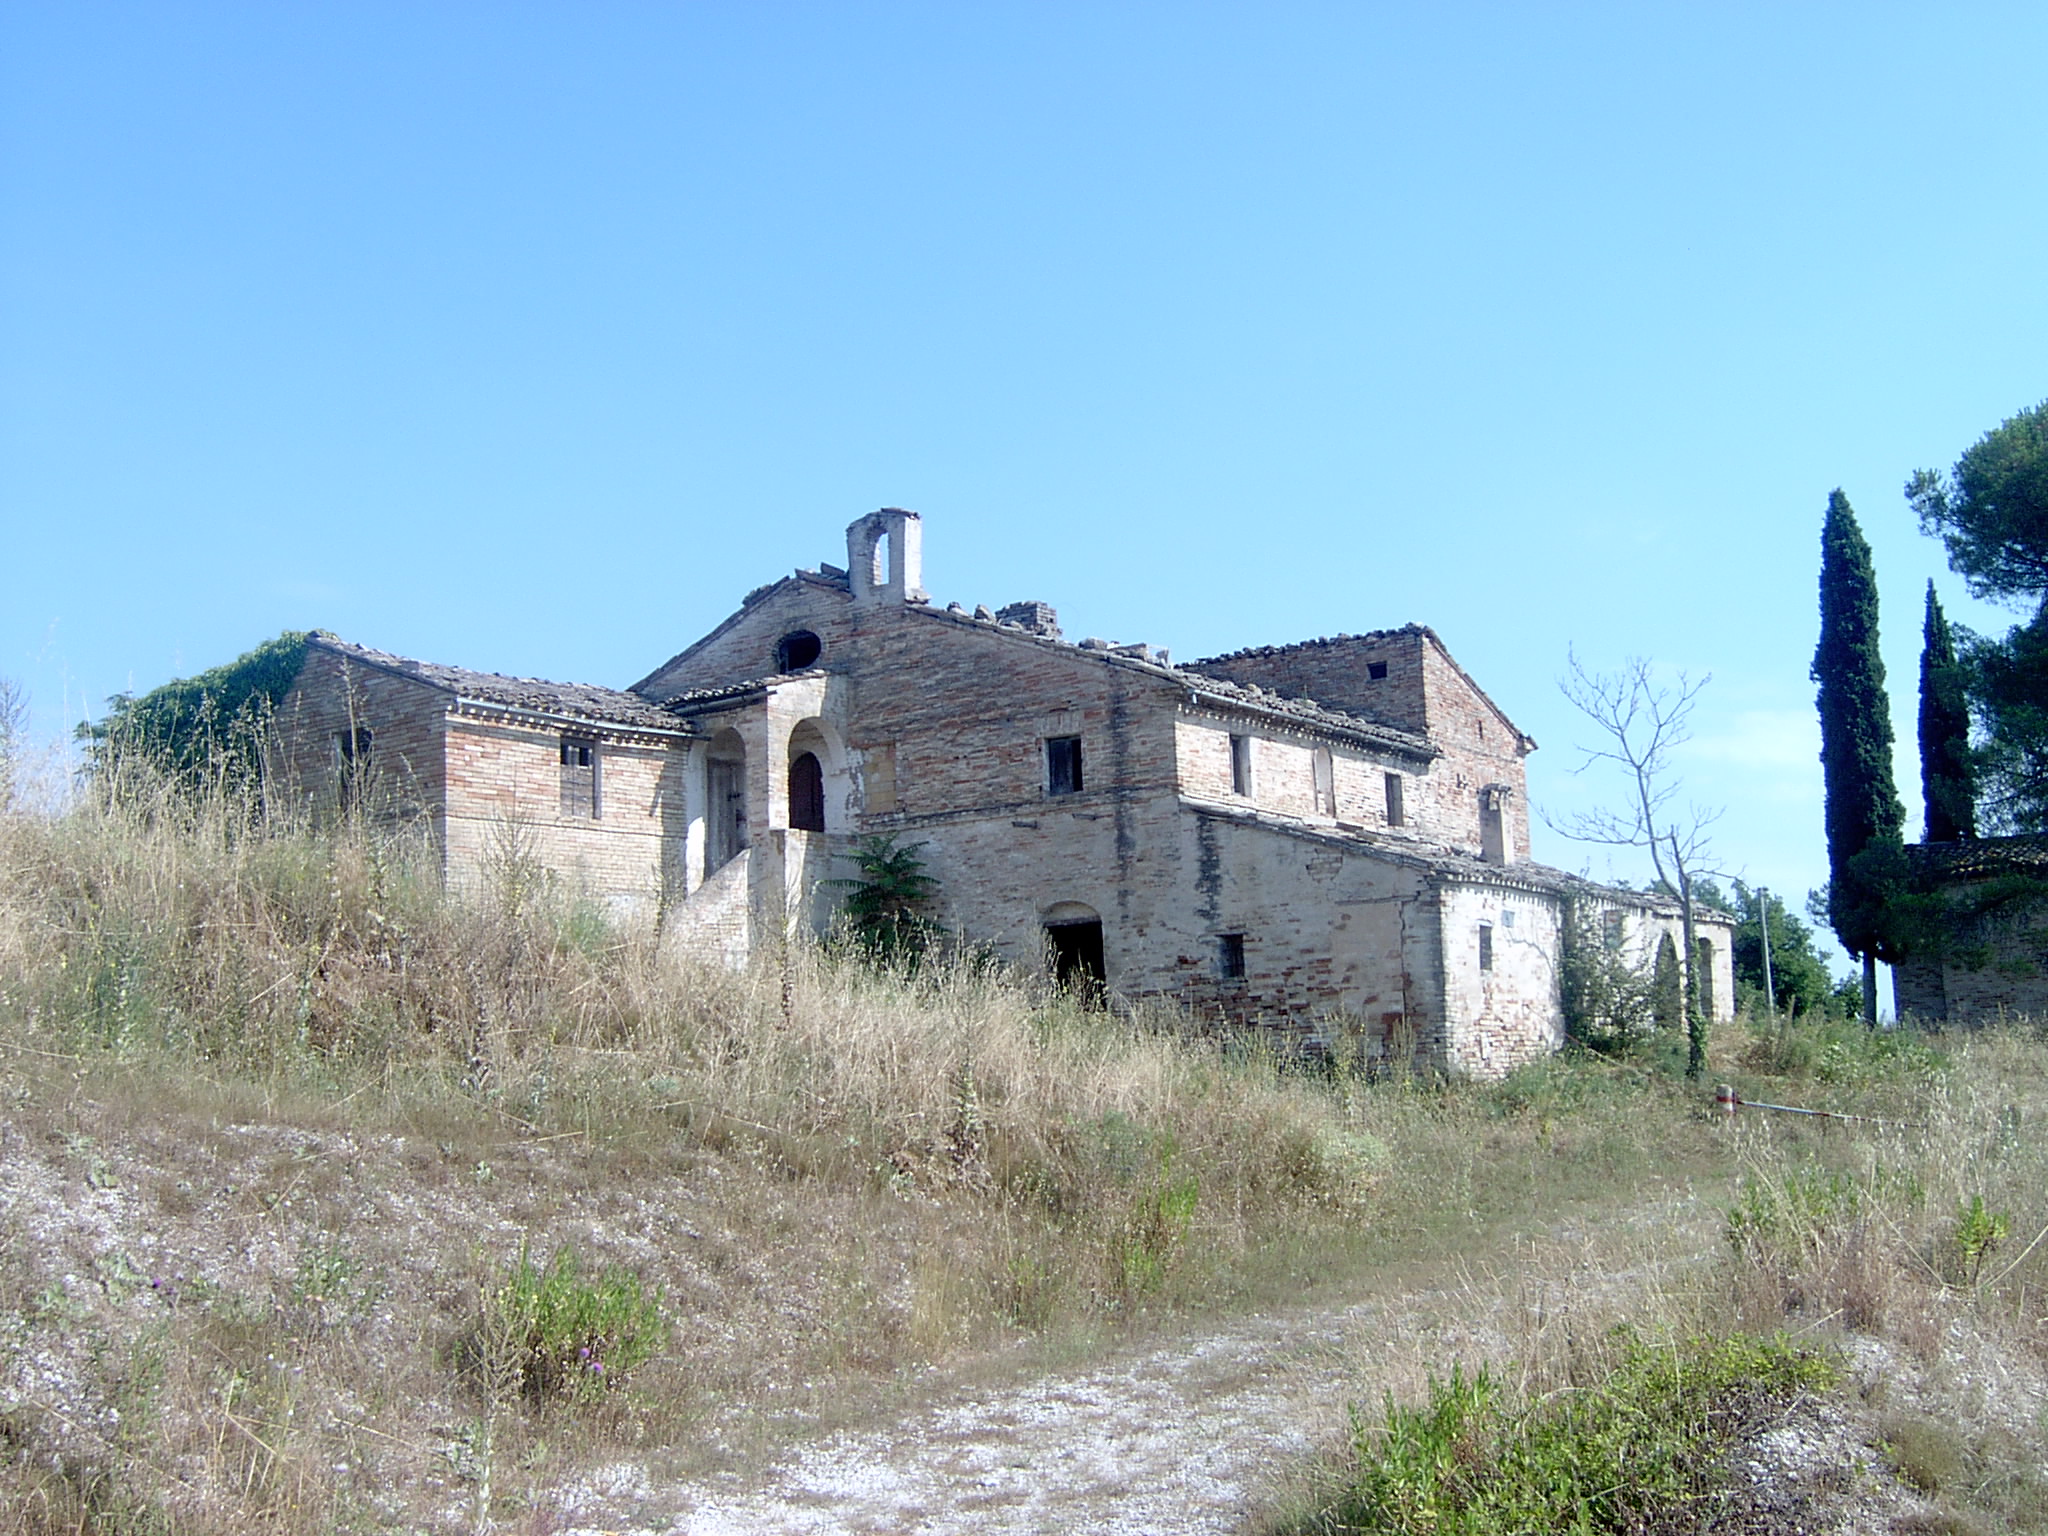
205,727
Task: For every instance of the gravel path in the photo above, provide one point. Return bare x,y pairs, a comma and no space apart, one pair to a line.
1190,1437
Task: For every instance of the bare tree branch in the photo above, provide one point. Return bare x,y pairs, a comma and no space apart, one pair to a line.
1641,721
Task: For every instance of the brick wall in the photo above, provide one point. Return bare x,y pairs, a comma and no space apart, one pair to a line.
1480,748
1423,691
334,695
1508,1012
743,648
1338,672
504,800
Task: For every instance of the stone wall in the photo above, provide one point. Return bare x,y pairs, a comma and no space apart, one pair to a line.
1997,969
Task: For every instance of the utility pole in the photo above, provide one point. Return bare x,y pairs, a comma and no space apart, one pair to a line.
1763,923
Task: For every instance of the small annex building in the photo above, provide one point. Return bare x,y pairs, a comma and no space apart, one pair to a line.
1330,839
1983,952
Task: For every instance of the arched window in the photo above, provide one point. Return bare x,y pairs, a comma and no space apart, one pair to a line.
806,793
797,650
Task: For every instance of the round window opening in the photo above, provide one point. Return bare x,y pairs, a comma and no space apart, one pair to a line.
796,651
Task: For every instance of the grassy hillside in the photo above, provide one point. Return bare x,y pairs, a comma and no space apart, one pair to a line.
330,1200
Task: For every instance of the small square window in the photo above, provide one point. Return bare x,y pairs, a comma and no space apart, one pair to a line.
1241,765
1230,956
1486,946
1507,917
1376,670
1063,765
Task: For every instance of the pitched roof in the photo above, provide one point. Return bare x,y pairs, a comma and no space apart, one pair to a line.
1448,863
580,701
1372,637
1981,858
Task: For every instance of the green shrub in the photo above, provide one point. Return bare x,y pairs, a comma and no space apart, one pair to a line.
1639,1449
557,1335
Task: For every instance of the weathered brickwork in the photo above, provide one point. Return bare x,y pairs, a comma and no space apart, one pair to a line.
1422,690
337,697
1989,959
1276,838
488,775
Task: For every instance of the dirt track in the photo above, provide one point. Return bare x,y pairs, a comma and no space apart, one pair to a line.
1194,1436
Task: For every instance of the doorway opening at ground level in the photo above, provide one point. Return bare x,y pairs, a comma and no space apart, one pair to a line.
1074,953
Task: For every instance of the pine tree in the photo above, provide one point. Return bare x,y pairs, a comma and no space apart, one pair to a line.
1865,822
1948,774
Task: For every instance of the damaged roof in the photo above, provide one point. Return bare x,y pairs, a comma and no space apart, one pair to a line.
581,701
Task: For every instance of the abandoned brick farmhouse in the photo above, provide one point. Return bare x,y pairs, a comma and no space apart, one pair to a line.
1330,838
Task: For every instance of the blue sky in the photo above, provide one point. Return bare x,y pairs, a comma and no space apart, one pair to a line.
529,337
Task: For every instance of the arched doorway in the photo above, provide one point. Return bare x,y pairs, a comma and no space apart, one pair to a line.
806,793
1074,951
726,791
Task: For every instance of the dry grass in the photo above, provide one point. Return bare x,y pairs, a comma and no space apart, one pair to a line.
1912,1242
280,1111
277,1112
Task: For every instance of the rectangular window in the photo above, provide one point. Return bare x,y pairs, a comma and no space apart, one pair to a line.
1241,765
580,778
1230,956
1376,671
1486,946
879,769
1063,765
1611,929
352,749
1326,782
1396,814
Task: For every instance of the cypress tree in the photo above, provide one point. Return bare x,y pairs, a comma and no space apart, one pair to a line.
1865,822
1667,990
1948,774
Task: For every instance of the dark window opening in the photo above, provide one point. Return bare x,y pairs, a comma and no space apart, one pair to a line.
727,819
1486,946
1611,930
1230,956
352,749
795,651
579,777
1077,962
1376,670
1396,811
1063,765
1241,765
807,794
